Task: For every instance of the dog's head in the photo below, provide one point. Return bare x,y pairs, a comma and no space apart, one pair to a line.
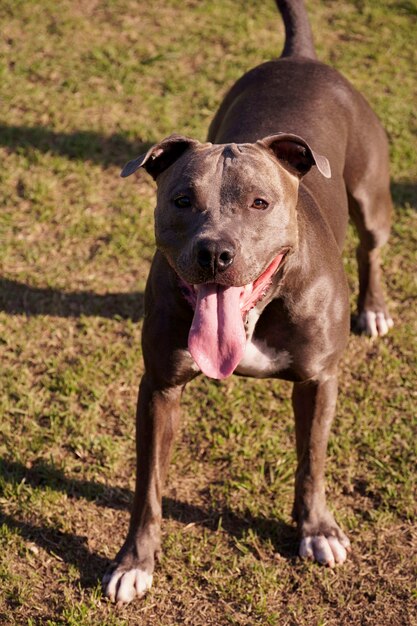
226,216
224,212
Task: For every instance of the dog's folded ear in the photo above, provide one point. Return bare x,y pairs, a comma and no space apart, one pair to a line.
295,154
160,156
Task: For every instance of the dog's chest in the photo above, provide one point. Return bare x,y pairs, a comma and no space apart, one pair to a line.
259,359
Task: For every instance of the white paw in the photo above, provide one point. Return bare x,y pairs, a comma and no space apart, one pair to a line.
325,550
375,324
121,586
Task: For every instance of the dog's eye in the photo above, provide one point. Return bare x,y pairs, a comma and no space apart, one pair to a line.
182,202
259,203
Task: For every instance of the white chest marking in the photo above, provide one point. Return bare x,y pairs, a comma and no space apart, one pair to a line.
259,359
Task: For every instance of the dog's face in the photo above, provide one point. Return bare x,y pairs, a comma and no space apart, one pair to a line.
225,212
225,218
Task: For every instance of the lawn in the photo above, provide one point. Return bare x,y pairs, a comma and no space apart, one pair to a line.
85,86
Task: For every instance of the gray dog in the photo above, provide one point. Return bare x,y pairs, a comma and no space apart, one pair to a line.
248,277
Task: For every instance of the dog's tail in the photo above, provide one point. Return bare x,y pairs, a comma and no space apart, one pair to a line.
298,35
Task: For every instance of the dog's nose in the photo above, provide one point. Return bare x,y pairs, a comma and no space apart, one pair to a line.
216,256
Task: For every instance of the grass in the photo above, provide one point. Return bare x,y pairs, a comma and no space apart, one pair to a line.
85,87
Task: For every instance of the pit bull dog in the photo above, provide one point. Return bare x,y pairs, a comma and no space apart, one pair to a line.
248,277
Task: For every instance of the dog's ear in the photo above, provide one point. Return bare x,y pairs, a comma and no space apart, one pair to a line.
160,156
295,154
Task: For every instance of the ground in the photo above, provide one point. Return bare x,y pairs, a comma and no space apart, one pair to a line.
86,85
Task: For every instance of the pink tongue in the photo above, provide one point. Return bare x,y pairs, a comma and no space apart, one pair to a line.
217,336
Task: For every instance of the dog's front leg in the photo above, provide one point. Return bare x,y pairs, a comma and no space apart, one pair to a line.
157,421
314,405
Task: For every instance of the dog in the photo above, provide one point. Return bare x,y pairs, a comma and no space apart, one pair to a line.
248,277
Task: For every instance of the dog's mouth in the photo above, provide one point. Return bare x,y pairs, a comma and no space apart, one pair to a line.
217,337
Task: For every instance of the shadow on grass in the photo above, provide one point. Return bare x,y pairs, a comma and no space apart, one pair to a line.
282,535
80,145
20,299
404,193
71,548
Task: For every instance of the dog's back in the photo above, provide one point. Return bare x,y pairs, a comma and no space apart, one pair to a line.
298,94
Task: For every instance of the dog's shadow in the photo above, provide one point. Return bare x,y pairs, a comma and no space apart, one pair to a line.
73,549
282,535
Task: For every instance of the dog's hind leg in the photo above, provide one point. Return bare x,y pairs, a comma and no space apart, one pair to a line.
370,207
